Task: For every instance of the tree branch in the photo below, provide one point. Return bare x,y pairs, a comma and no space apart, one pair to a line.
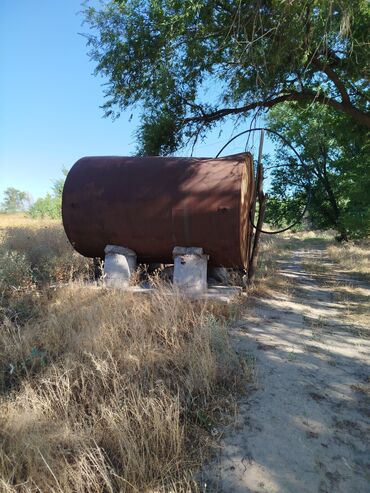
332,75
343,106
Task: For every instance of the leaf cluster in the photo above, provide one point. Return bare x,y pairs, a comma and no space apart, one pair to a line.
334,175
187,64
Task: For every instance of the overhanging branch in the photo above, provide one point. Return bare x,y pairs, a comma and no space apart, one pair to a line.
332,75
345,106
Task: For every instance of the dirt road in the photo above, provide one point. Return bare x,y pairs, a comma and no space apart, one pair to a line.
306,427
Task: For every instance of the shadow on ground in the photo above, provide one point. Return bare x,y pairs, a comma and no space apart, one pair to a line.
306,427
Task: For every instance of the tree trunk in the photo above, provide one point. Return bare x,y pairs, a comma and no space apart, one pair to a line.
336,210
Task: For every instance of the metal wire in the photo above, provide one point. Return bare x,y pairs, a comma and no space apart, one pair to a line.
287,143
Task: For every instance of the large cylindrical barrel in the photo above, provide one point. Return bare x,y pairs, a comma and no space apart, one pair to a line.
152,204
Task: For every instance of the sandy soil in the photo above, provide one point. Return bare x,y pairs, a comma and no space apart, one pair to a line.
306,426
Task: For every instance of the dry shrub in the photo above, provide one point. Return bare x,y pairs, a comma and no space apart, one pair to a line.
269,251
352,257
43,253
267,280
110,391
15,272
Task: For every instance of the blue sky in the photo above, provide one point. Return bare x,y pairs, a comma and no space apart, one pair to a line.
49,98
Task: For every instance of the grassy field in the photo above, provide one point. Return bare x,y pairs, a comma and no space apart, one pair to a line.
105,392
100,391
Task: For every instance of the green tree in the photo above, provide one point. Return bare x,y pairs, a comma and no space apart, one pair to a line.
50,205
15,200
336,159
188,64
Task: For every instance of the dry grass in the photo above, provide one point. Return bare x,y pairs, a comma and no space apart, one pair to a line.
355,301
17,219
344,268
102,391
353,258
272,249
36,252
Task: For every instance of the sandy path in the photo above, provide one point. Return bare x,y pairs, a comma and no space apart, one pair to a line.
306,427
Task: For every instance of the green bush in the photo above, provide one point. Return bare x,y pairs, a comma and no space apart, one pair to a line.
48,206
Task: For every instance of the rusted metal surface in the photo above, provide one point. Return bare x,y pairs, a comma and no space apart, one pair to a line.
152,204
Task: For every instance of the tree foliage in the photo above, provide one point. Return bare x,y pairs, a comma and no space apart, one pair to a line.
190,63
15,200
50,206
336,158
46,207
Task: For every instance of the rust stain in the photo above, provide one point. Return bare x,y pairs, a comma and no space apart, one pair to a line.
151,204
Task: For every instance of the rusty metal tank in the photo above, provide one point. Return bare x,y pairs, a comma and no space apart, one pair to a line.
152,204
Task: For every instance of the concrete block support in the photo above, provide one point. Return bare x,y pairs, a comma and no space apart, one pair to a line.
190,270
119,264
